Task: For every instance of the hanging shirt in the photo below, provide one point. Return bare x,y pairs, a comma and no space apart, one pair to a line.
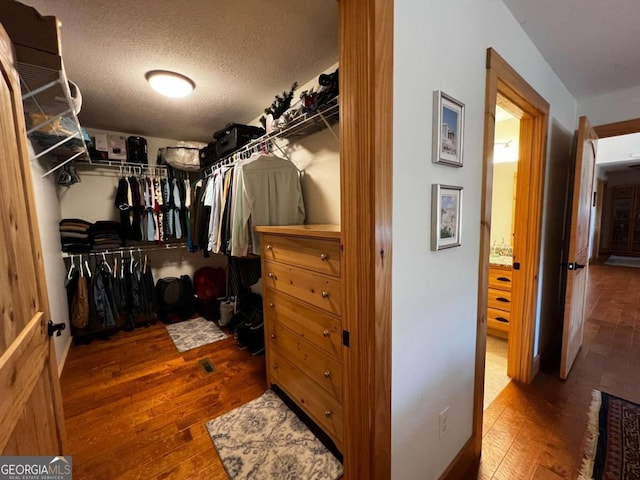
268,193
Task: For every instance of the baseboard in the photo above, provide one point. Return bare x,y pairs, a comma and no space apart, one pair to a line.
535,367
63,359
464,464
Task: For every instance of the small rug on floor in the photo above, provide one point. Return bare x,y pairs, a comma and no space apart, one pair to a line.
623,261
265,439
194,333
612,444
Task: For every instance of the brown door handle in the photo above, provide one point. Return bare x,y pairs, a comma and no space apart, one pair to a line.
327,373
271,305
325,294
269,247
325,333
323,256
327,413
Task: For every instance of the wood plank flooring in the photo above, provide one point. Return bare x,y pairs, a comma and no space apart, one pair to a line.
536,431
135,407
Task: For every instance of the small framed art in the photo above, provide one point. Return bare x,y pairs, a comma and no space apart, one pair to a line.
446,216
448,129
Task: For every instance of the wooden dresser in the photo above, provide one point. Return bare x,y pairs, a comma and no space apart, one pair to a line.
302,308
499,305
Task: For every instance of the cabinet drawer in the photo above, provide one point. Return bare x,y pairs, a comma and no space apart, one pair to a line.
500,279
500,299
319,290
323,330
315,254
498,319
319,405
321,368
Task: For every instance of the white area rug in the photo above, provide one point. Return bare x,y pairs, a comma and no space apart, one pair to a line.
264,439
495,374
194,333
616,261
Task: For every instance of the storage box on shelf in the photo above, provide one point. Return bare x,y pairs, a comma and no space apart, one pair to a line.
303,328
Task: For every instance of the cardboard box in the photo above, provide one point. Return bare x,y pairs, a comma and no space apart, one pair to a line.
26,27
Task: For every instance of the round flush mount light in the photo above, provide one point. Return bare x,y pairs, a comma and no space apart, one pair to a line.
170,84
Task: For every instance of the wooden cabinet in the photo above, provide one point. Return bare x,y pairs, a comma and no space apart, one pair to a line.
625,220
303,329
499,304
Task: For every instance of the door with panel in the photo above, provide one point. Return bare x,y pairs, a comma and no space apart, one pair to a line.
30,401
578,264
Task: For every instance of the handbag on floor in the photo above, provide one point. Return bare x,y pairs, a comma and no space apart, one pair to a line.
175,298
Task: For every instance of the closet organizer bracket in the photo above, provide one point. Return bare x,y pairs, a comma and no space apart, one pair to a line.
52,124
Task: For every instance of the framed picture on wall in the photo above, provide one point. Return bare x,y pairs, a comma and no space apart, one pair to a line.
448,129
446,216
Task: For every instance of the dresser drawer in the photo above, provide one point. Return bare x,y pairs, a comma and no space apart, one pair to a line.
500,299
321,329
319,405
319,290
500,279
316,254
498,319
317,365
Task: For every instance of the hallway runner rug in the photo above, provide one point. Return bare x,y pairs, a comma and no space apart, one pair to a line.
264,439
612,444
194,333
616,261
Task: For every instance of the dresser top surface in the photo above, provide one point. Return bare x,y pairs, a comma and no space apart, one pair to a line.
318,231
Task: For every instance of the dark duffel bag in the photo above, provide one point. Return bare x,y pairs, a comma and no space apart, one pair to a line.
235,136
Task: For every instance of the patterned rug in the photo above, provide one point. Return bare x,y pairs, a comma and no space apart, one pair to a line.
194,333
612,446
263,439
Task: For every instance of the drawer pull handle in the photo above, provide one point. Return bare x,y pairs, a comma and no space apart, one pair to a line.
270,275
503,300
269,247
271,305
325,333
502,319
327,413
274,366
273,335
323,256
504,279
327,373
325,294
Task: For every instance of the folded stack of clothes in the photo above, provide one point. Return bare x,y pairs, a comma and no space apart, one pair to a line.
74,235
105,235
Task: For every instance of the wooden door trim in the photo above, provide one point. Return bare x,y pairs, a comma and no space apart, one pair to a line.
502,78
618,128
366,133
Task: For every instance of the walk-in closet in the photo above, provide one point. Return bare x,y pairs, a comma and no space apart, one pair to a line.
191,242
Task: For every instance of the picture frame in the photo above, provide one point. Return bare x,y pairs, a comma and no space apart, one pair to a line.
446,216
448,130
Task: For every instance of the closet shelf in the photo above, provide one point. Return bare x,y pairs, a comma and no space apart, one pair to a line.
300,126
130,248
119,166
50,115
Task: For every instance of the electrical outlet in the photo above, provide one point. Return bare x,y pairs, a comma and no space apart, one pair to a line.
443,420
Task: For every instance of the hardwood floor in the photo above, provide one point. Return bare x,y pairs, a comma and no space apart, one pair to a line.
135,408
536,431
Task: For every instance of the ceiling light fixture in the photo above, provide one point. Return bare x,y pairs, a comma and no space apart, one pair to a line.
170,84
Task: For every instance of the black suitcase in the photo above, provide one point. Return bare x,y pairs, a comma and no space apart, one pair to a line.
208,155
235,136
137,150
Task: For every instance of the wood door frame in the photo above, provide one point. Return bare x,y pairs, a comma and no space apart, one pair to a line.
366,134
504,80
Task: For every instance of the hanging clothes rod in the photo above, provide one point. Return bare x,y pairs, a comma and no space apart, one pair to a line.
137,248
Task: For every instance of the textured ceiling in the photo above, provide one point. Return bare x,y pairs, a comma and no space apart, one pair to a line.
239,53
592,45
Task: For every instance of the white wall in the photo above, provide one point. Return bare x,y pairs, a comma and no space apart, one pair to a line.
611,107
442,44
48,212
502,203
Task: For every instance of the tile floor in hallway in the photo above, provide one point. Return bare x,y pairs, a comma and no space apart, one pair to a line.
536,431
